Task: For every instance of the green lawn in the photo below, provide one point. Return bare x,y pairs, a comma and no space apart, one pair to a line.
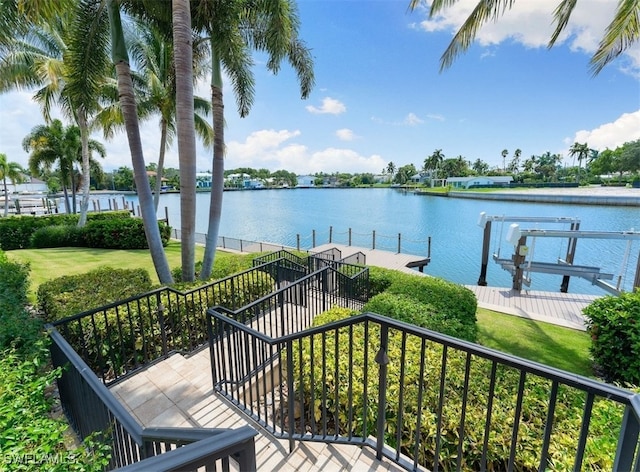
48,264
563,348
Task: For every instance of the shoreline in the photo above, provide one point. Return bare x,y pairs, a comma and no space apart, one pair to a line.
591,195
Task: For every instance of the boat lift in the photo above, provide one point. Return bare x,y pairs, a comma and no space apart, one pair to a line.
518,265
486,220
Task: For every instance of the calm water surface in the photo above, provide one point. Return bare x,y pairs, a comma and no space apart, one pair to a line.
279,215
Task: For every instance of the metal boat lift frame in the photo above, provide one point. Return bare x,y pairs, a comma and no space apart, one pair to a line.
517,265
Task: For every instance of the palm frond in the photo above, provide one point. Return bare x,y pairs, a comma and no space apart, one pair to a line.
622,32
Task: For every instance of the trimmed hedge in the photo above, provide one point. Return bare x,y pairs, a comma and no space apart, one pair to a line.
18,328
58,236
226,264
121,234
429,302
346,413
16,231
614,325
72,294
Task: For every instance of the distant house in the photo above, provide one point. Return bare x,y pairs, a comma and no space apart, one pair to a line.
306,181
29,185
479,181
421,178
203,180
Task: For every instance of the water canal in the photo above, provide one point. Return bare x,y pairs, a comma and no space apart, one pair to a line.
279,215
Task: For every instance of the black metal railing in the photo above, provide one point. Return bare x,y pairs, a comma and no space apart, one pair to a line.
419,398
120,338
91,408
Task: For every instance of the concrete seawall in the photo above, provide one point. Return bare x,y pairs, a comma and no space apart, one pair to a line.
617,200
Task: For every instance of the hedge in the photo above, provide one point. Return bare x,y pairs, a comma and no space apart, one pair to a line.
16,231
614,325
121,234
342,371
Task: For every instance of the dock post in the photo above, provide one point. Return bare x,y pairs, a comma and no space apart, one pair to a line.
399,238
349,237
166,215
571,252
636,281
518,259
486,240
373,246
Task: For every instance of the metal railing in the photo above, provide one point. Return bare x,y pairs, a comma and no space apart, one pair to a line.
120,338
92,408
419,398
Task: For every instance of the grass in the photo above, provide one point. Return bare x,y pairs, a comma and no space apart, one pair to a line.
556,346
48,264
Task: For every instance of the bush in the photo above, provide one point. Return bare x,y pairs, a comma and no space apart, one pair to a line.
225,264
429,302
341,373
16,231
31,439
18,328
72,294
58,236
614,325
121,234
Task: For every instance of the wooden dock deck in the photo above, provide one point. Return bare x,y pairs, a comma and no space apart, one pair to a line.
563,309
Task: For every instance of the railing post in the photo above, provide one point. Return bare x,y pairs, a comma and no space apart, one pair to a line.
382,360
166,215
291,395
628,439
161,321
399,237
374,239
349,237
241,246
298,241
313,238
330,234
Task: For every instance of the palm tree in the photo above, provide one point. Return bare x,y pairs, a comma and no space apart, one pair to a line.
11,171
56,144
504,153
621,33
433,162
582,152
391,170
126,93
53,57
234,29
152,51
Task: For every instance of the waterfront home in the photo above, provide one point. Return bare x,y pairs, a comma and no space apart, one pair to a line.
306,181
479,181
28,185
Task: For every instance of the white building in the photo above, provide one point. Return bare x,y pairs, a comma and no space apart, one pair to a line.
479,181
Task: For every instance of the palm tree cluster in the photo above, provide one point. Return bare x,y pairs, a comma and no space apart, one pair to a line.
157,51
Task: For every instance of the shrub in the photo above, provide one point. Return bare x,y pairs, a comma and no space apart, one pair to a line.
614,325
429,302
16,231
58,236
340,374
405,308
31,439
72,294
18,328
225,264
121,234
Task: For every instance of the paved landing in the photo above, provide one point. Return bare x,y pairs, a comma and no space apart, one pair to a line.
178,393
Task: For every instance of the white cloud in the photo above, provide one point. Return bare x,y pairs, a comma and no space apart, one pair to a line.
329,106
345,134
412,119
273,150
610,135
531,24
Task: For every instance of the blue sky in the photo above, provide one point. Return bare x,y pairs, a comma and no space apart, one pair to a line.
379,95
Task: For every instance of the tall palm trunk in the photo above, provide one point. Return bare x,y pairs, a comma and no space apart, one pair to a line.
6,196
65,192
217,177
159,170
183,54
129,113
86,179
